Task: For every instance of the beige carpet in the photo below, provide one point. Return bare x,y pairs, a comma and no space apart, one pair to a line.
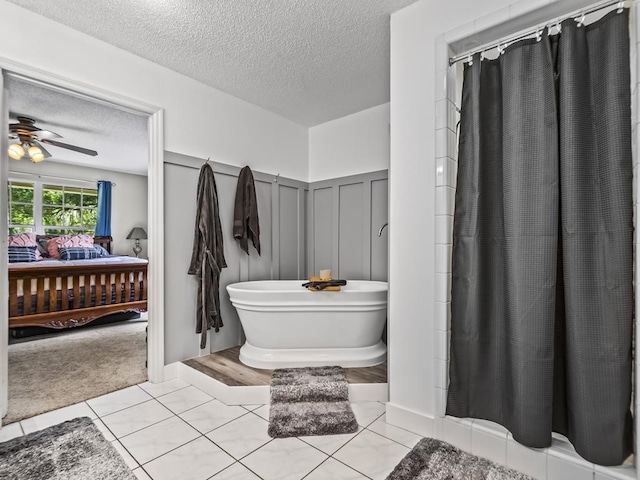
74,366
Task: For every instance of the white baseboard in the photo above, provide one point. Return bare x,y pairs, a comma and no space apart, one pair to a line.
490,440
368,392
171,371
410,420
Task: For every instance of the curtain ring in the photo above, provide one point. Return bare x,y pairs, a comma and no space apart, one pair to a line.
620,7
538,35
470,60
482,56
581,20
500,49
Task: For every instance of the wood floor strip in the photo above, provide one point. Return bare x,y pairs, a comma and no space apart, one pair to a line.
226,367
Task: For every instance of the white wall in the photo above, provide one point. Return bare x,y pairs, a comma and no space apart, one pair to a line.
421,83
412,199
199,120
350,145
128,202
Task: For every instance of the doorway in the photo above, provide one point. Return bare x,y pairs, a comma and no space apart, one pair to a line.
154,142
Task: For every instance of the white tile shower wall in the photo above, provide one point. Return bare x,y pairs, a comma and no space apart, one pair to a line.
477,436
635,103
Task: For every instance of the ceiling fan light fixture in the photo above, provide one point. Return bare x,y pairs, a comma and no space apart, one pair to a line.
29,135
36,157
15,151
33,151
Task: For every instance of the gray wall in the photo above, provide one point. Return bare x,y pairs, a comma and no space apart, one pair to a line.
281,208
303,228
344,216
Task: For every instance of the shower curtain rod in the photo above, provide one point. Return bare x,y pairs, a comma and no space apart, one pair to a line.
577,15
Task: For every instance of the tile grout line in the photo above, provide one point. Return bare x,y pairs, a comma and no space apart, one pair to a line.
246,411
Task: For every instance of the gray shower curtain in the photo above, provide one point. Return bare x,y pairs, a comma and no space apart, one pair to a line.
542,298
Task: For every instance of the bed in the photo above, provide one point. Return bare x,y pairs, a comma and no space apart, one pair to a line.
60,294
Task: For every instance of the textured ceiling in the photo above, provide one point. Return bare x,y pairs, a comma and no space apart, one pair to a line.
119,137
308,60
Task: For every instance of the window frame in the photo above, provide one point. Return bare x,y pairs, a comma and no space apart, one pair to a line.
10,202
38,187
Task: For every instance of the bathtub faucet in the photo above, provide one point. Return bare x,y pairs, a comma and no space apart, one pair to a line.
382,228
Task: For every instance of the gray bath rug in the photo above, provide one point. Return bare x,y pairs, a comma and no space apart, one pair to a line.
432,459
73,450
310,401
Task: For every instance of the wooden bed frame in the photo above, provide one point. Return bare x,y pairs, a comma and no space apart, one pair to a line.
121,294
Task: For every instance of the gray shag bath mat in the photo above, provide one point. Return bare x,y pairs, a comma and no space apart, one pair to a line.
73,450
433,459
310,401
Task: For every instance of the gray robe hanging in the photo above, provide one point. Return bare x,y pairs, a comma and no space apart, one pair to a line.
207,258
246,225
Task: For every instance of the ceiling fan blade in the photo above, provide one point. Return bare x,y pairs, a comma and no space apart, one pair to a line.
55,143
45,152
26,129
47,134
28,124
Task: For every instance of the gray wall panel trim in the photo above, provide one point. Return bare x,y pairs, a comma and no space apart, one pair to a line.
370,225
352,231
377,175
289,229
379,216
302,233
367,227
322,229
335,231
308,218
275,231
178,159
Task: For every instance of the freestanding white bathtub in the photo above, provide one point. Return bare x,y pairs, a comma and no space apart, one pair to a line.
286,325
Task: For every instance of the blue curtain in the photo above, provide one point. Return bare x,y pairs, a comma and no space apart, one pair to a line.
103,223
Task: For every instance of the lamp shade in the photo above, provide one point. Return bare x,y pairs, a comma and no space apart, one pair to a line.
137,233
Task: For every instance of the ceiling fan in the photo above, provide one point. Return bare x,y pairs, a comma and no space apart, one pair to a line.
30,138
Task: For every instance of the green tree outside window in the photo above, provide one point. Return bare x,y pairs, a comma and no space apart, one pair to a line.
62,209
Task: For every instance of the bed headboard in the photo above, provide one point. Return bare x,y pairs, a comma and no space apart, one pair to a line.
104,242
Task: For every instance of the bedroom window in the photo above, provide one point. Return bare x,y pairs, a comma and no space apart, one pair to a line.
51,209
68,210
21,215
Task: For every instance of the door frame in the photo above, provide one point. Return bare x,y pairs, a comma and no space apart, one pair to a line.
155,209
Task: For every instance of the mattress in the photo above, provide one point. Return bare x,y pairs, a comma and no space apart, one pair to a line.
51,262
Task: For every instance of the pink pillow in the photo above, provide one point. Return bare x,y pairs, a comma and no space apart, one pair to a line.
84,240
25,240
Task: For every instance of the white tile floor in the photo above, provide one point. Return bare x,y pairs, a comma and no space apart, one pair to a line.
174,430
